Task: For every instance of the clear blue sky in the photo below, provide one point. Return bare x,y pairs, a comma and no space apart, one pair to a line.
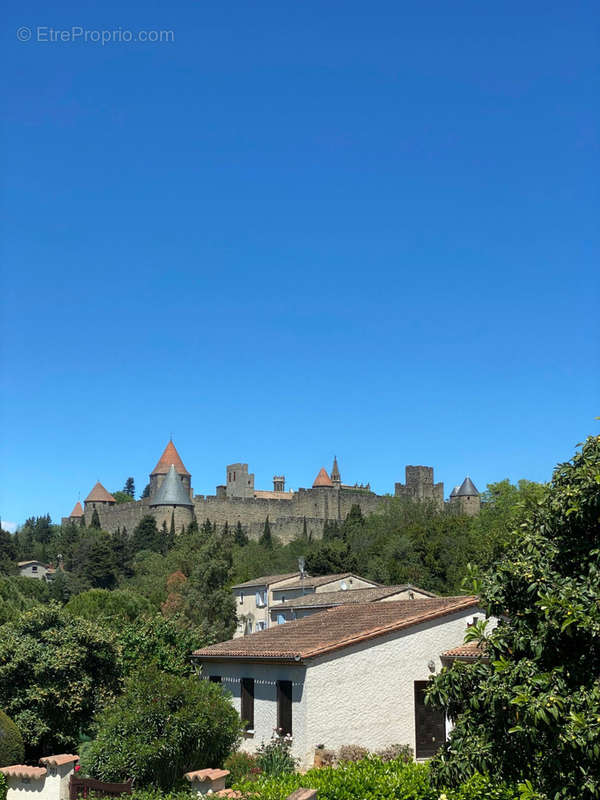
298,229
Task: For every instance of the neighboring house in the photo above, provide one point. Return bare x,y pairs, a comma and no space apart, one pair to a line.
256,598
344,581
354,674
253,600
35,569
309,604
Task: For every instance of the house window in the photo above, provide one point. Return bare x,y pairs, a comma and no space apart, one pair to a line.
261,625
284,707
261,599
241,598
215,679
34,568
280,619
247,706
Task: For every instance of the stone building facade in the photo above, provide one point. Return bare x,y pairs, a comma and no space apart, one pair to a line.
290,512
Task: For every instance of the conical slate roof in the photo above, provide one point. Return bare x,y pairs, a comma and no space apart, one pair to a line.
454,491
168,458
171,491
322,479
100,495
77,511
467,488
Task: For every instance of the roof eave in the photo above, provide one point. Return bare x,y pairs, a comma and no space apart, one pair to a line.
289,659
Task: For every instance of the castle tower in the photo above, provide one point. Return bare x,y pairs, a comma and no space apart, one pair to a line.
98,498
467,498
279,483
170,457
322,479
77,512
172,499
336,478
240,482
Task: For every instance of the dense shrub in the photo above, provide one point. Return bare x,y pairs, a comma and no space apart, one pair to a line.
161,727
241,766
113,607
393,752
3,786
480,787
275,757
369,778
12,750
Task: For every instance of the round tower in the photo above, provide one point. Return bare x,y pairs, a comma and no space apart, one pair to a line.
170,457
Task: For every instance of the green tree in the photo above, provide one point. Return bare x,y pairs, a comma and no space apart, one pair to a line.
165,726
159,641
208,602
146,535
122,497
146,492
533,710
95,560
240,537
54,675
8,553
110,608
129,487
95,522
266,539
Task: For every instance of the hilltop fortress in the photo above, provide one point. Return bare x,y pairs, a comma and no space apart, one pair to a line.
290,513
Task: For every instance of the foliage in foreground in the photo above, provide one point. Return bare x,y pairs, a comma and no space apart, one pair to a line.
55,673
12,750
533,711
373,778
161,727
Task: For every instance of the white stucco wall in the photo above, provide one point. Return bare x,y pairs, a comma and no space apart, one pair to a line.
265,697
54,786
365,694
362,694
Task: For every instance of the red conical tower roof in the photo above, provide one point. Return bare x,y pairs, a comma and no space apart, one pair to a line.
77,511
322,479
170,456
100,495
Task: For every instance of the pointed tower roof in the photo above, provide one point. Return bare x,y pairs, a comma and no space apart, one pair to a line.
322,479
454,491
99,495
467,488
77,511
170,456
171,492
335,471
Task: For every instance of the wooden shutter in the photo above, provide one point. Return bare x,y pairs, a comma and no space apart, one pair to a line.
247,707
430,724
284,706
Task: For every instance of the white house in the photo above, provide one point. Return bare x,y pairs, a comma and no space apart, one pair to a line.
353,674
36,569
308,604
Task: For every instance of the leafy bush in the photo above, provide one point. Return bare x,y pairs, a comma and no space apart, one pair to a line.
55,672
161,727
275,757
113,607
153,793
3,786
352,752
352,780
480,787
241,766
12,750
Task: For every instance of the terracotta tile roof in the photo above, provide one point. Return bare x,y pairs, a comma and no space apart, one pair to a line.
265,580
321,580
23,771
169,456
464,652
206,774
333,629
342,597
58,761
100,495
322,479
77,511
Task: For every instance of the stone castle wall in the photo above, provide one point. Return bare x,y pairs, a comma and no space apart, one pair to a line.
286,517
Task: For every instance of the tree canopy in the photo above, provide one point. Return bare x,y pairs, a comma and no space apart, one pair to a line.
532,710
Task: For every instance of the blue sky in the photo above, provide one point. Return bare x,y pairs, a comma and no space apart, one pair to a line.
297,229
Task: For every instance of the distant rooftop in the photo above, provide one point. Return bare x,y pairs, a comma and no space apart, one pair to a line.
265,580
345,596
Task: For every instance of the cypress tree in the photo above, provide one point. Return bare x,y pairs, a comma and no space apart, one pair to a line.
240,537
266,540
95,523
129,487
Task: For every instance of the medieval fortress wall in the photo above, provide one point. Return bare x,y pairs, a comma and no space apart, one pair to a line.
290,513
